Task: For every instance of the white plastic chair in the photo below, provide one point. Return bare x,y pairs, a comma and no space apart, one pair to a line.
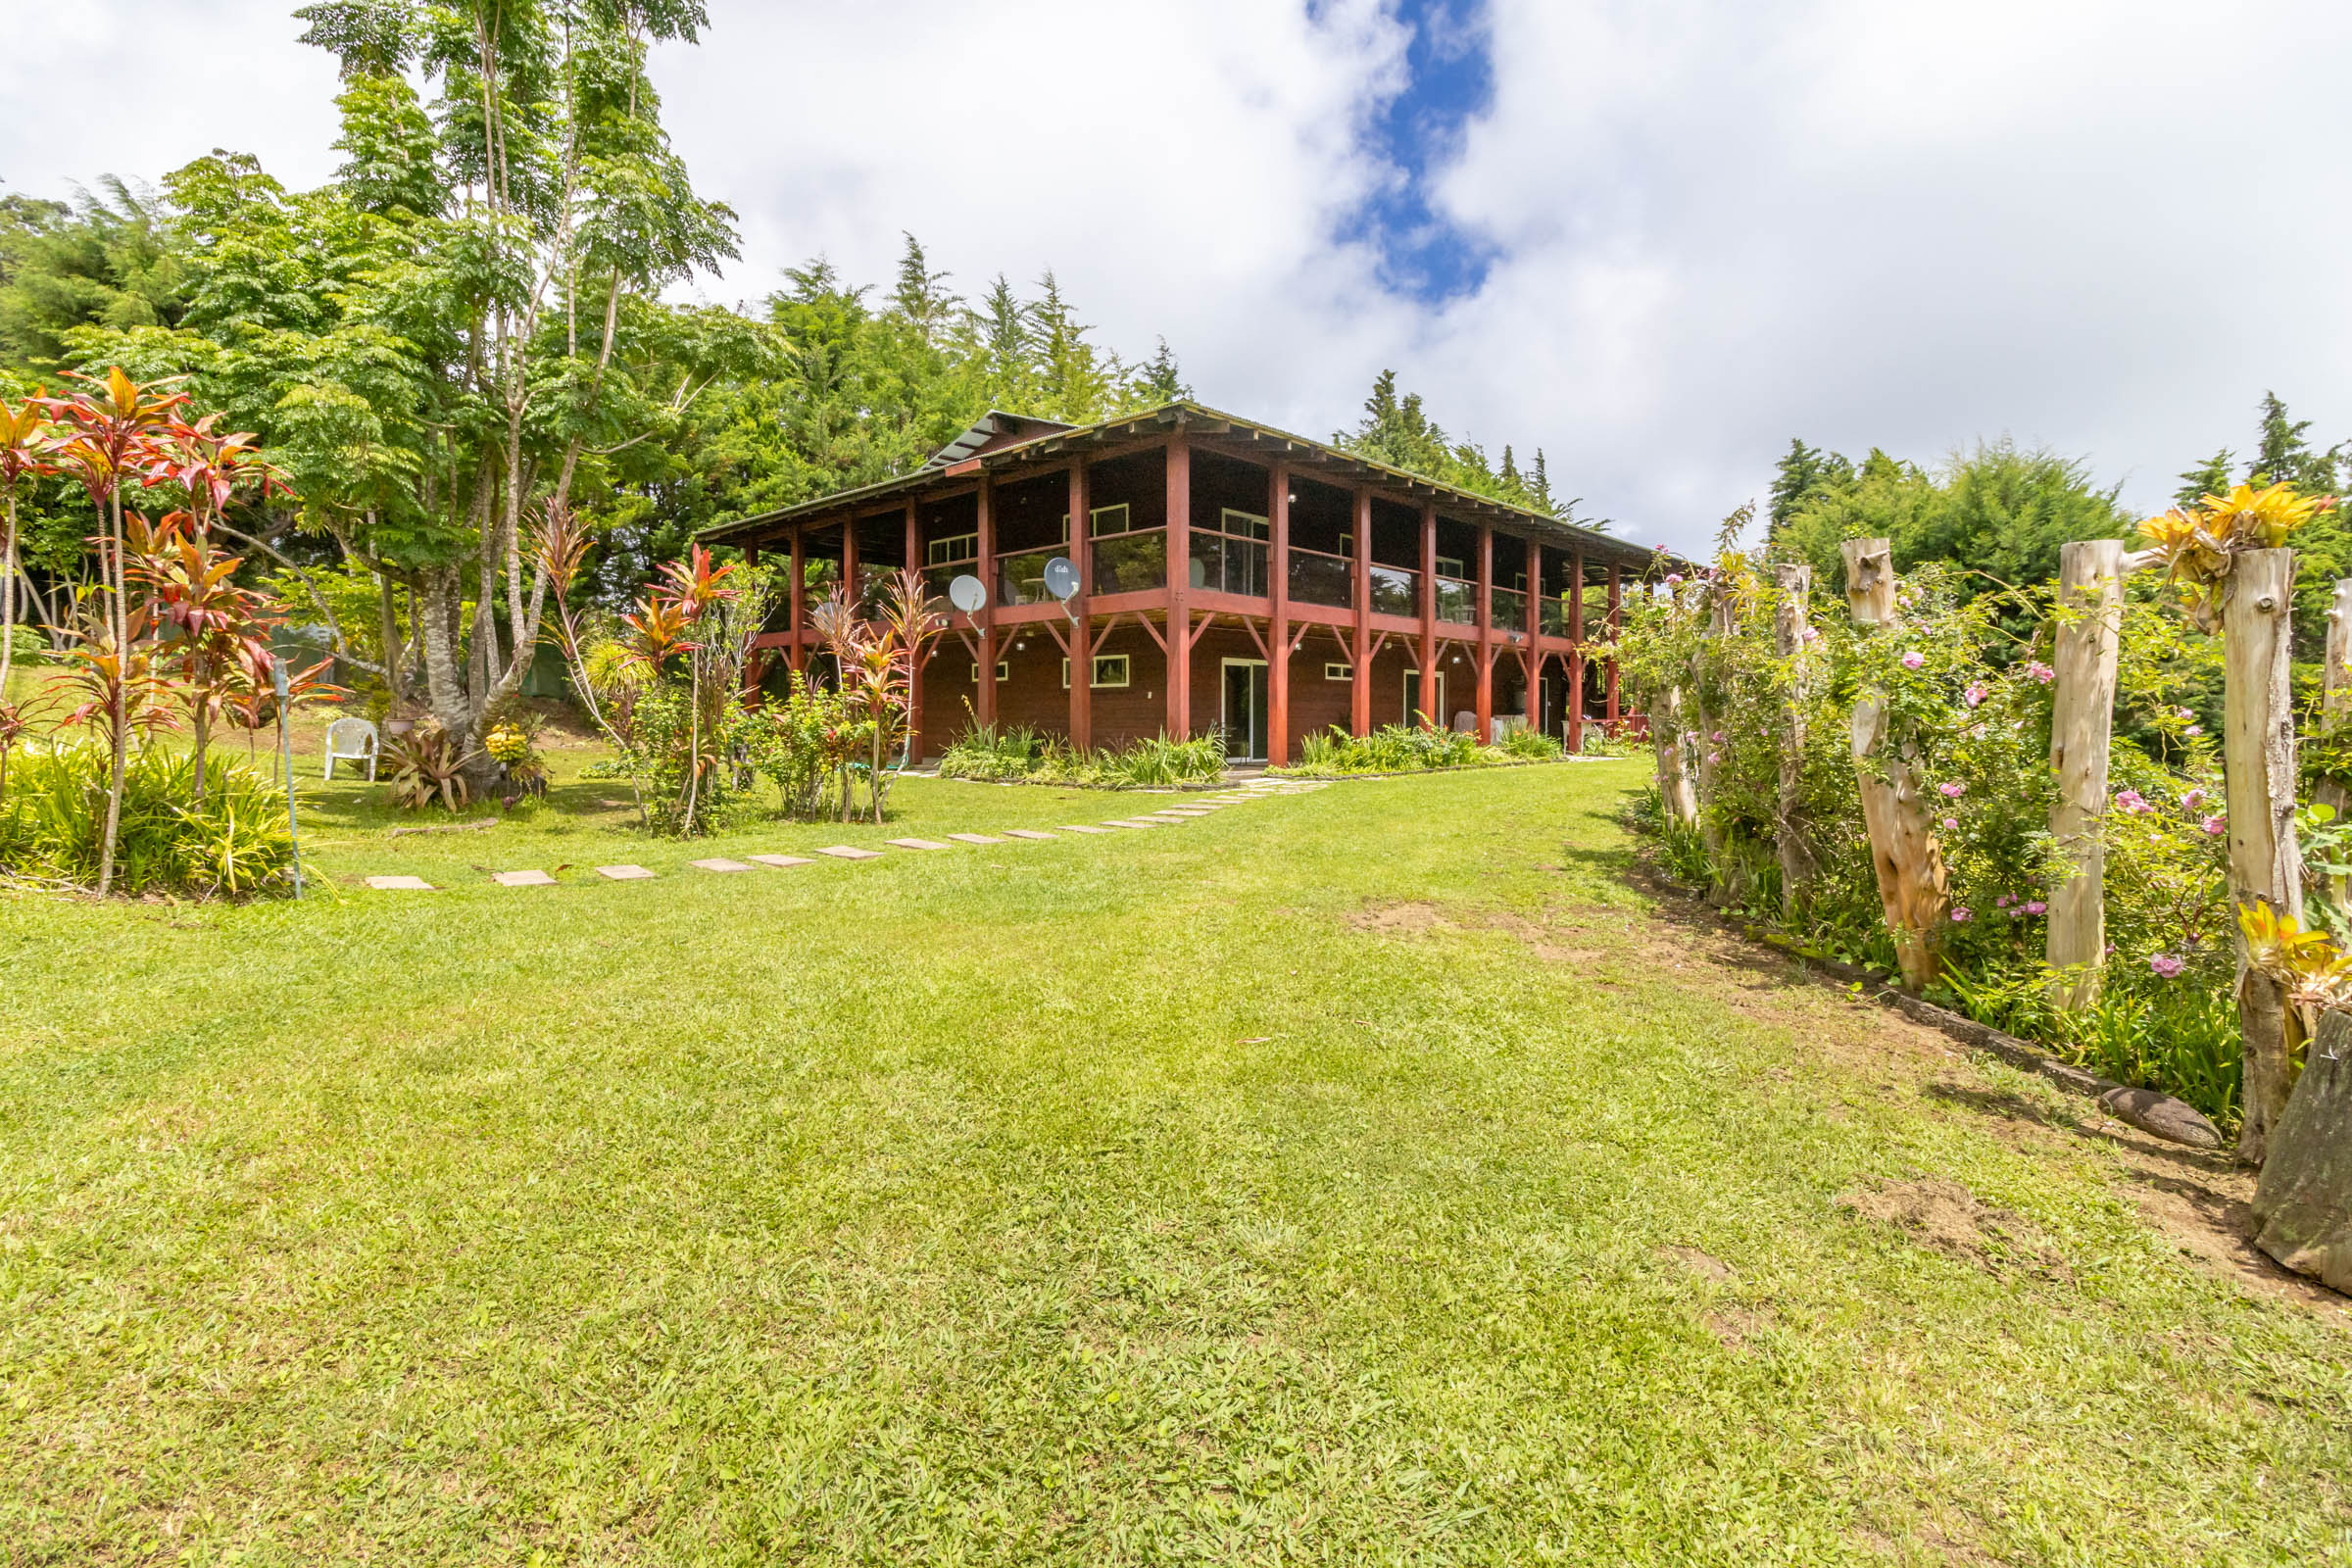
350,739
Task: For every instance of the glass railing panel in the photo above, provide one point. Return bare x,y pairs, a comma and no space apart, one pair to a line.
1229,565
1320,579
1457,601
1555,613
1021,578
1510,611
1128,562
1395,591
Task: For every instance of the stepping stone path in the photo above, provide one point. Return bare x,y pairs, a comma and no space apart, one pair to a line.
1164,817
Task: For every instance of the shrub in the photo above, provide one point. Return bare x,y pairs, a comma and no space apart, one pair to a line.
991,755
804,745
1531,745
233,843
1394,749
995,755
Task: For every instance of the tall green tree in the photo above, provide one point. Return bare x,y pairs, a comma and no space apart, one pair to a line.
1803,472
2208,478
1397,430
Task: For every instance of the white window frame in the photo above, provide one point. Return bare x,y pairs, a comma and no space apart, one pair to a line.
1003,671
1264,525
1339,672
1096,514
1101,682
936,555
1459,570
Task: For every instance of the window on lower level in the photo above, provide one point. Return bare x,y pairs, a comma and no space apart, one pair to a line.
1338,671
1112,672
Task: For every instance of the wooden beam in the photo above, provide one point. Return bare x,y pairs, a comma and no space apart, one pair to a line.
1532,661
1359,693
986,620
1278,629
1080,648
1576,653
1429,704
1616,620
1486,633
800,599
1178,643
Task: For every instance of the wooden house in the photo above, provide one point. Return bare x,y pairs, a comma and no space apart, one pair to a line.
1309,587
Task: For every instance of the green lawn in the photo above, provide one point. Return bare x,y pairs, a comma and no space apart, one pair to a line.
1367,1175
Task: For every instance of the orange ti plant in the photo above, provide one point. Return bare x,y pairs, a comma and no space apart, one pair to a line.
2199,545
24,455
214,635
107,436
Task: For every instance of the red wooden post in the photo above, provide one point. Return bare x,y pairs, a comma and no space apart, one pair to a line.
1430,704
848,562
800,602
1359,686
1180,582
1486,633
1576,655
914,671
1535,635
1616,600
987,564
1278,641
1082,664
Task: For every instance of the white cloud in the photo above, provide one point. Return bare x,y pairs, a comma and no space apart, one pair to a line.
2103,224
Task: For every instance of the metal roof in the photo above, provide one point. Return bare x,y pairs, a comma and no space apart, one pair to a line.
1315,459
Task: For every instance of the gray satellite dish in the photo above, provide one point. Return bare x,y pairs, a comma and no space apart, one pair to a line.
1061,579
967,592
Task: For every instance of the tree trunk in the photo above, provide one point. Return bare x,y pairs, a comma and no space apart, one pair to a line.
2336,707
1904,856
1674,779
2303,1204
1789,628
2265,867
2082,727
8,596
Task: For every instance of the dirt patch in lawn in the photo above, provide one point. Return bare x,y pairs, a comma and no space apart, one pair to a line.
1700,1263
1948,1218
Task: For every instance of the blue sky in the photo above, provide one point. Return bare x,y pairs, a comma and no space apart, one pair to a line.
1656,240
1448,76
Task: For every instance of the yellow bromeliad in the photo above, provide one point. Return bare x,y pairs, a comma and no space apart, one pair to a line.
2196,545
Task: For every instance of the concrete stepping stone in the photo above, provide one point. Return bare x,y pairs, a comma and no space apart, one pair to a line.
1132,822
974,838
845,851
919,844
623,873
523,880
1081,827
718,862
1026,833
781,861
400,884
1186,810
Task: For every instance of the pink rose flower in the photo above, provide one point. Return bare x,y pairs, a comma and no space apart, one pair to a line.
1961,915
2040,671
1950,823
1952,792
2188,802
1717,737
1674,579
2001,903
1914,659
1973,695
2215,827
2194,729
2133,801
2166,965
2035,906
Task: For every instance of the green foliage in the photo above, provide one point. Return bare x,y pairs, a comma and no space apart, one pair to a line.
1805,475
990,754
1401,748
1524,745
233,843
2000,511
804,745
104,262
1399,431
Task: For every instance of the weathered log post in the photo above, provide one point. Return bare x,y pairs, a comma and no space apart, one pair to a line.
1788,631
2258,758
1903,852
2336,693
1720,619
2303,1204
2090,611
1666,734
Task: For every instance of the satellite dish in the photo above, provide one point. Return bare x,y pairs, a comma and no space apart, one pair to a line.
1062,577
967,592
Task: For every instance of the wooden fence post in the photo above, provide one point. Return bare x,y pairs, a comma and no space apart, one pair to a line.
1711,830
2336,691
1674,779
2090,603
1789,629
2258,757
1903,852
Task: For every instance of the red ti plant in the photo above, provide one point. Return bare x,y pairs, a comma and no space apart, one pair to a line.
24,455
208,468
689,590
215,635
109,437
560,542
880,663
